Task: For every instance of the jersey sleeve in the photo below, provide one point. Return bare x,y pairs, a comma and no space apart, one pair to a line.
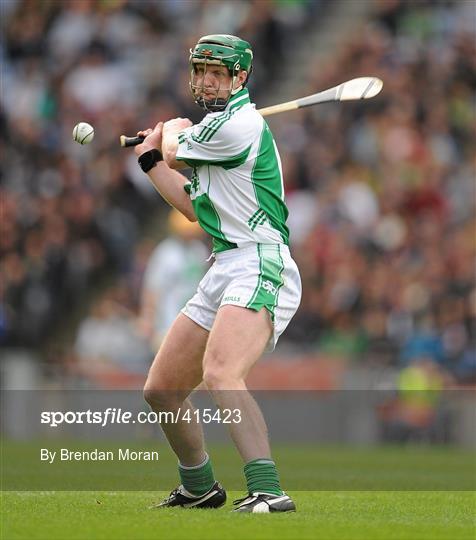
218,141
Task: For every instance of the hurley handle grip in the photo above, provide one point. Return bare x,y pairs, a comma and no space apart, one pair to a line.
130,141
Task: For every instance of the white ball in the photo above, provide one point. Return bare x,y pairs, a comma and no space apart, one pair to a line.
261,508
83,133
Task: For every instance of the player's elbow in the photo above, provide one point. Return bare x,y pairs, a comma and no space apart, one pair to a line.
186,208
169,158
169,153
190,215
172,163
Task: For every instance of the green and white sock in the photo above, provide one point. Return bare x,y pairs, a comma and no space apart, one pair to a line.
261,475
198,479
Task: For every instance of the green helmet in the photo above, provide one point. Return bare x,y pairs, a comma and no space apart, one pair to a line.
223,49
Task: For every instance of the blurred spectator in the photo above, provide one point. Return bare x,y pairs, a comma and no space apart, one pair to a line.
417,413
171,277
107,346
392,240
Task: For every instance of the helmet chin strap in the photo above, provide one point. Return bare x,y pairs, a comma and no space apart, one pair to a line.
235,90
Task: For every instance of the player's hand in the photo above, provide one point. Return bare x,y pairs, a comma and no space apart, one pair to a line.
153,139
177,124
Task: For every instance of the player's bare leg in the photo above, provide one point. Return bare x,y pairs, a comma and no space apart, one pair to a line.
175,372
237,340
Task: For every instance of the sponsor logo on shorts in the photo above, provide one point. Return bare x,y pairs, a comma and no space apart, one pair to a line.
269,287
232,299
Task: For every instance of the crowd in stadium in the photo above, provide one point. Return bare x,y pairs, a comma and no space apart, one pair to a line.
381,194
388,261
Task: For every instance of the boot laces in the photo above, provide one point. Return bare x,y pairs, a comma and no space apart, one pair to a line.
239,501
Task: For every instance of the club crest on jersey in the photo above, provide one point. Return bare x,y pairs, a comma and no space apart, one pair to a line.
269,287
183,138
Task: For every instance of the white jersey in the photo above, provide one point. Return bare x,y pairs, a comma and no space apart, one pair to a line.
237,184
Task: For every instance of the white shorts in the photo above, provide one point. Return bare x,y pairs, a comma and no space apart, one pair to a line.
257,276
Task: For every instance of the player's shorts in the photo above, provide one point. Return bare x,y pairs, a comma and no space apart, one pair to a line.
257,276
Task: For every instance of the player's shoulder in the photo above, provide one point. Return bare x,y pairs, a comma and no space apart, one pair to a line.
233,110
242,122
246,121
243,116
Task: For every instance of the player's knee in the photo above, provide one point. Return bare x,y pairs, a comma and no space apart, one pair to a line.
161,399
152,397
217,375
217,378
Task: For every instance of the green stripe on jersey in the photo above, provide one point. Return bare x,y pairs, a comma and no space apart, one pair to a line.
267,183
270,279
210,130
210,221
233,161
258,218
201,136
254,218
222,245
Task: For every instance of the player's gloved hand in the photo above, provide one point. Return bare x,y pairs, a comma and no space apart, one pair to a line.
153,139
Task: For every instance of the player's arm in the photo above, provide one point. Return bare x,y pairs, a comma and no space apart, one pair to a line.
170,141
168,182
219,140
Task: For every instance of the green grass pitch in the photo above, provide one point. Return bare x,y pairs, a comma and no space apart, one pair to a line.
328,515
338,509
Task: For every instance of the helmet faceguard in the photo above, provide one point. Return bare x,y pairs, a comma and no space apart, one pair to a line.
223,50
